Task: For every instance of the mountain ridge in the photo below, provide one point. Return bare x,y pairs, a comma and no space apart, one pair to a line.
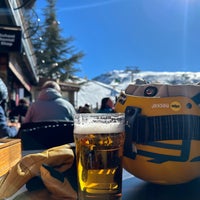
110,84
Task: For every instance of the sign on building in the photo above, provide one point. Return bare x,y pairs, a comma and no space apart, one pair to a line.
10,38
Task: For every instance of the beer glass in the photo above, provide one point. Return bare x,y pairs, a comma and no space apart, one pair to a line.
99,140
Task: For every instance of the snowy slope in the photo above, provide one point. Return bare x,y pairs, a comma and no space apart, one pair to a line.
92,92
110,84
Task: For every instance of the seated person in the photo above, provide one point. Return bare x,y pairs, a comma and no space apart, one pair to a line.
5,130
50,105
19,111
50,116
107,106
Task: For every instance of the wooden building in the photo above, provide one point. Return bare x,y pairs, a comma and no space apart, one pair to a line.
17,59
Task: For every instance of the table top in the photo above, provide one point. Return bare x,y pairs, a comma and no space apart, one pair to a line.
137,189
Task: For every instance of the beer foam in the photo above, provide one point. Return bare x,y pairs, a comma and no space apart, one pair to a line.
99,123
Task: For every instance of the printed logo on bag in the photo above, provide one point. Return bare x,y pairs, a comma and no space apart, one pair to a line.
160,105
175,106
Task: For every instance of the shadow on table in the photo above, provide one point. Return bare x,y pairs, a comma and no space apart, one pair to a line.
137,189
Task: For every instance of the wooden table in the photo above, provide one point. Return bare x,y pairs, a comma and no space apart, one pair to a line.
137,189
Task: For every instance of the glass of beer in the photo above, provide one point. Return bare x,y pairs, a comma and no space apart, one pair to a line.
99,140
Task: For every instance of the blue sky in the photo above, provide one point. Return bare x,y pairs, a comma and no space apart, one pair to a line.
154,35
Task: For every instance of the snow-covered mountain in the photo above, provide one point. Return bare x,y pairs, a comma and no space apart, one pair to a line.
112,83
124,77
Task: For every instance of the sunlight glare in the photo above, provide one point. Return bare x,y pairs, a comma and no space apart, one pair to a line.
189,1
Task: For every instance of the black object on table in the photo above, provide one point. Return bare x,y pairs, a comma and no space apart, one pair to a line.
44,135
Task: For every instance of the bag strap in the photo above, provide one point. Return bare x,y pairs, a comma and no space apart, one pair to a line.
131,114
156,128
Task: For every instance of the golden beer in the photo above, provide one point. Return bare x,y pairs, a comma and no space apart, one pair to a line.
99,155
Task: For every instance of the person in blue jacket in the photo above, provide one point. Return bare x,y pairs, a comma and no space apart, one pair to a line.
107,106
5,130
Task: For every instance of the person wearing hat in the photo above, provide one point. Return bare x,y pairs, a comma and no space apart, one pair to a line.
5,130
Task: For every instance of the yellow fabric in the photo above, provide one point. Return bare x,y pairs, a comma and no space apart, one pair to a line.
60,157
